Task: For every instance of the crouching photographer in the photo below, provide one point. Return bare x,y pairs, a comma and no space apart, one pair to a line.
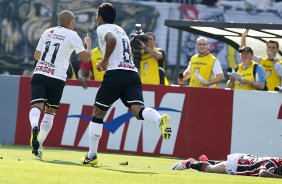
148,59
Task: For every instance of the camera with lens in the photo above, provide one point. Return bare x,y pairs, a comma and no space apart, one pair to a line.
135,44
138,35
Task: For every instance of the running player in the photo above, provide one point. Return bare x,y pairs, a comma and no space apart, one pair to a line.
121,81
53,54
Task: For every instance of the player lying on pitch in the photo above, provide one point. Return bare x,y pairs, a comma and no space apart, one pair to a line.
236,164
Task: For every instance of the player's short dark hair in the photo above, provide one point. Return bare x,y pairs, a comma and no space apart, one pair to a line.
108,12
273,41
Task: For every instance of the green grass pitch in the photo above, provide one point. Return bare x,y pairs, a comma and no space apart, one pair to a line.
18,165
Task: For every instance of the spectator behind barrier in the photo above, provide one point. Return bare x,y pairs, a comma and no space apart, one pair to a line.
271,65
250,75
148,59
204,69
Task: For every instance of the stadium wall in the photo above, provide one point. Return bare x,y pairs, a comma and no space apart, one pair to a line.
214,122
8,109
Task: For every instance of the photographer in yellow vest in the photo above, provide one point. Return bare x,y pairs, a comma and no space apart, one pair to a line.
204,69
251,75
89,70
271,65
152,63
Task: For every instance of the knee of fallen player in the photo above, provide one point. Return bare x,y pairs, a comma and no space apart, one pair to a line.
200,166
208,169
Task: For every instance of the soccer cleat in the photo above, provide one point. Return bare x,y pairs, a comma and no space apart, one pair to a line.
34,142
88,161
165,126
37,153
183,164
179,166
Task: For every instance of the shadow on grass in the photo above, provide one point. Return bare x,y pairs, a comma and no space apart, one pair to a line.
130,172
63,162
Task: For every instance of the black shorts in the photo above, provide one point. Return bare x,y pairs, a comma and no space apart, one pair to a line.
123,84
47,90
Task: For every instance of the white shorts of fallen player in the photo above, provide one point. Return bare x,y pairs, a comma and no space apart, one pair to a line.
232,162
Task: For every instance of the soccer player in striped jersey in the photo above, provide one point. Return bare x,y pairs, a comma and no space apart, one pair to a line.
237,164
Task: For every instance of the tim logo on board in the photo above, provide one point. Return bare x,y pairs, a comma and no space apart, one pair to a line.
120,138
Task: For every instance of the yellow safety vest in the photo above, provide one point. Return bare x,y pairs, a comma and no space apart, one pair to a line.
203,66
96,56
246,74
271,76
149,69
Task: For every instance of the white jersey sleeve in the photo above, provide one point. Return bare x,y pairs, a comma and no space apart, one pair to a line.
217,68
77,43
121,58
189,67
40,43
101,32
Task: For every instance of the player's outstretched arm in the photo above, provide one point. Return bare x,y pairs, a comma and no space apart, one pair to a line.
264,173
37,55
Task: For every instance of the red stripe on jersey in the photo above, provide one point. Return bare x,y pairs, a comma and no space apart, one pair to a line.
250,165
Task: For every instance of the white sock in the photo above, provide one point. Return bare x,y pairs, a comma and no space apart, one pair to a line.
34,115
45,127
95,133
151,115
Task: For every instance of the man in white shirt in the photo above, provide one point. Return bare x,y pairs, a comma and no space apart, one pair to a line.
53,52
121,81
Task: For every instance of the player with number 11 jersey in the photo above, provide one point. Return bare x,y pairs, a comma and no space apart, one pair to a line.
53,63
48,81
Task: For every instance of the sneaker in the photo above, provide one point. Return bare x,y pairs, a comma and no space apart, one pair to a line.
183,164
92,162
34,141
165,126
37,153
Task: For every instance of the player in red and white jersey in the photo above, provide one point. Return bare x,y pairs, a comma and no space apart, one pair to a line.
237,164
250,165
53,54
121,81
